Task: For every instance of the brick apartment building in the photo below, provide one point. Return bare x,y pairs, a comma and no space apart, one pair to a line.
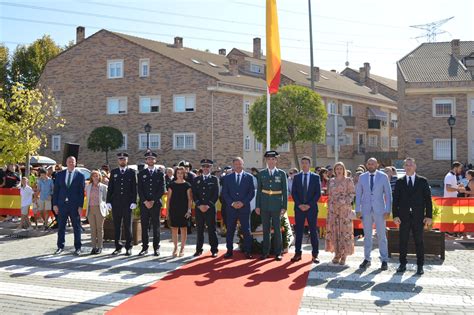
435,81
197,102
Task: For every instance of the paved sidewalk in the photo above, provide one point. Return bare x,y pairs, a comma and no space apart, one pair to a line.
33,281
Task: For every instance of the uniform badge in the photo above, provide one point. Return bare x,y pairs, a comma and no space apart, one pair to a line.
277,179
198,182
115,175
144,176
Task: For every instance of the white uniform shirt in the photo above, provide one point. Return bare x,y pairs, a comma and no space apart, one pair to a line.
452,180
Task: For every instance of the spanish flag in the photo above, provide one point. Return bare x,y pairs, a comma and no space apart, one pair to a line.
273,48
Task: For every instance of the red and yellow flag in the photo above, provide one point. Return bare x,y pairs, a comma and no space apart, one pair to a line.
273,48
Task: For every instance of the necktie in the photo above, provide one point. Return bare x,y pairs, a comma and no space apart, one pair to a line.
238,179
122,171
151,172
68,179
305,186
371,181
410,182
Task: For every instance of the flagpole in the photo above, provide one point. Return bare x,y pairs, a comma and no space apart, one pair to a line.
268,119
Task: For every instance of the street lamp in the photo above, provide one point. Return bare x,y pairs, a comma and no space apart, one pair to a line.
147,130
451,123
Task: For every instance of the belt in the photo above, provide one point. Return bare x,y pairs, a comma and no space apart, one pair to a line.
271,192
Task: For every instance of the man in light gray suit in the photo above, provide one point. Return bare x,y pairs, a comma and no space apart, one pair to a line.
373,204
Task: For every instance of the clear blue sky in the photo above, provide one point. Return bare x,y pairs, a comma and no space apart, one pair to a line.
378,31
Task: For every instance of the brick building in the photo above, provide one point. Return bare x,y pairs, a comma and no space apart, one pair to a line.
196,102
435,81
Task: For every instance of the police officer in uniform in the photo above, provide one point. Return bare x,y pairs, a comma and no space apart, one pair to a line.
151,186
122,199
271,203
205,195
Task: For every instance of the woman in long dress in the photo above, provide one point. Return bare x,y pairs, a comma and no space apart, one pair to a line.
340,232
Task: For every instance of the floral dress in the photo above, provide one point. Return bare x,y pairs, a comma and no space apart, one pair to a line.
340,231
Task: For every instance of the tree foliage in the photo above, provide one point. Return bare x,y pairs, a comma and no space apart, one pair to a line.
105,139
4,66
297,115
25,118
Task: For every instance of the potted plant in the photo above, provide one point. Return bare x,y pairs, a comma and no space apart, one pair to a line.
109,230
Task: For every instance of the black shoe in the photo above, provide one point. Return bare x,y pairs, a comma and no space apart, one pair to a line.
278,257
93,251
365,264
228,255
128,252
198,253
116,252
419,270
248,256
156,253
402,268
58,251
214,255
296,258
263,257
98,251
315,259
143,252
384,266
77,252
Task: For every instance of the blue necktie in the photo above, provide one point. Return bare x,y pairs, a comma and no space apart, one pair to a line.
305,186
68,179
371,182
410,182
238,179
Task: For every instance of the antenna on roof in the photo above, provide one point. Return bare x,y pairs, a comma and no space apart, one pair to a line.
347,53
432,29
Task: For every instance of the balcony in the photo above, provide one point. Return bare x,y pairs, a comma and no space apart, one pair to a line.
350,121
374,124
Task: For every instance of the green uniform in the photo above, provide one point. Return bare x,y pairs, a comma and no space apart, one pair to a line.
272,197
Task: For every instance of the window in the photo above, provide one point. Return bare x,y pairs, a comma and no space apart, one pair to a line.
332,108
349,139
256,68
258,146
184,103
443,107
184,141
124,143
115,69
56,143
393,116
155,141
346,110
247,143
394,142
116,105
144,67
384,142
442,149
246,107
57,108
373,140
150,104
472,106
285,147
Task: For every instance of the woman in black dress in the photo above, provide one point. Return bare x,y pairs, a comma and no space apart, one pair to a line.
179,204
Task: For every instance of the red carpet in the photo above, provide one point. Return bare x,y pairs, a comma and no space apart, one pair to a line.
225,286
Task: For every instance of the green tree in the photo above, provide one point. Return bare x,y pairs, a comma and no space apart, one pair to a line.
4,66
28,61
104,139
297,115
25,118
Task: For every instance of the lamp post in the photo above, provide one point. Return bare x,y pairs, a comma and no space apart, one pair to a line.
147,130
451,123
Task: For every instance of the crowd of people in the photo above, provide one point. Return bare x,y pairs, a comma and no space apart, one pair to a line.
375,195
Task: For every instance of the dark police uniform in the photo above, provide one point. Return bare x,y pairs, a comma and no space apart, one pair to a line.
151,186
206,192
121,194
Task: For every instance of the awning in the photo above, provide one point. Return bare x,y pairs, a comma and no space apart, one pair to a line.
375,113
41,160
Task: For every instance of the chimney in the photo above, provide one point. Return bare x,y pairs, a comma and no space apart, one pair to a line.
455,48
178,42
257,47
80,34
233,66
367,70
316,74
222,52
362,75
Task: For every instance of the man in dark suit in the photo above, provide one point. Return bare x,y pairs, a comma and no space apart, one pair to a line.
68,200
122,199
306,191
412,210
151,187
205,195
238,190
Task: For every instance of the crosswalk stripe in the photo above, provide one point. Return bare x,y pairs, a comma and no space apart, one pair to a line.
355,265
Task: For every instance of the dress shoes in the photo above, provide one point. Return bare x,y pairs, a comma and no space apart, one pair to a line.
77,252
384,266
214,255
143,252
197,253
296,258
93,251
116,252
128,252
315,259
228,255
278,257
402,268
98,251
248,255
419,270
58,251
365,264
156,253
